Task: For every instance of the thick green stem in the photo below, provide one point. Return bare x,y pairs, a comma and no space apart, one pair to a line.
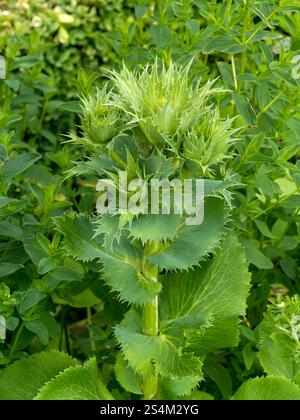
150,327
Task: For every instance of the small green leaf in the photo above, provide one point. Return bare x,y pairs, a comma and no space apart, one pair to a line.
244,108
46,264
9,268
37,327
31,298
248,356
17,165
263,228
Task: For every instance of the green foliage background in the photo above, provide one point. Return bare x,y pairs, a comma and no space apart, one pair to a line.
56,50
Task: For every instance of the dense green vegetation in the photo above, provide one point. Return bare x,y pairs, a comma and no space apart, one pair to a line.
178,89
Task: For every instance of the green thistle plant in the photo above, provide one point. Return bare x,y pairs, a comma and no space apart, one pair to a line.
187,285
100,121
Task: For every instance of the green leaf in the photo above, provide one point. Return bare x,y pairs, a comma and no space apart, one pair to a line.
224,44
176,388
193,243
76,383
198,312
9,268
268,388
226,72
78,237
220,375
70,106
31,298
122,270
199,396
244,108
17,165
255,256
37,327
278,341
277,356
166,350
127,279
263,228
46,264
218,289
248,356
23,379
11,231
126,376
155,227
65,274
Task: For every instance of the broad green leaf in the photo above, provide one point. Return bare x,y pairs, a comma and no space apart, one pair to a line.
23,379
219,289
198,312
193,243
76,383
268,388
278,356
17,165
122,270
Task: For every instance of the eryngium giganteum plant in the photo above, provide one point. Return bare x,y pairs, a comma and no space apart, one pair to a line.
186,284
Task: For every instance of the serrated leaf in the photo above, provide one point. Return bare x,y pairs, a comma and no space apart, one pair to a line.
193,243
172,389
219,289
121,268
126,376
166,351
198,312
78,237
155,227
23,379
76,383
268,388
